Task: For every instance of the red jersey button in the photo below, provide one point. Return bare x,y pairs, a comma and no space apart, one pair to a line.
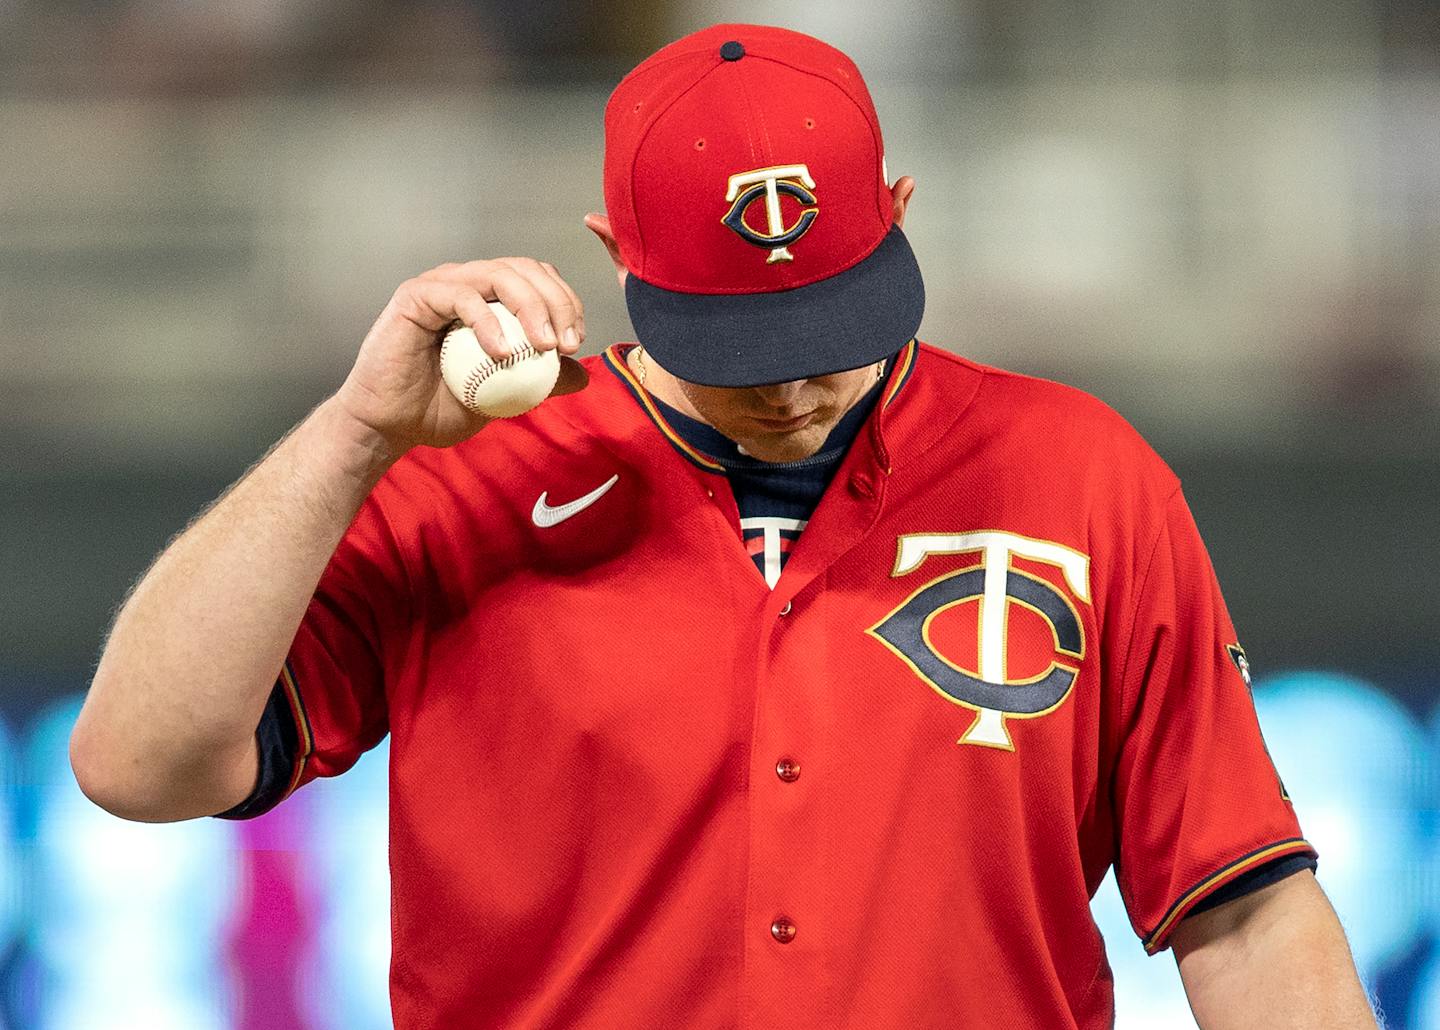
786,609
782,930
788,770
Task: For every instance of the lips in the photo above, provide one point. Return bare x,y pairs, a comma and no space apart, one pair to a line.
776,424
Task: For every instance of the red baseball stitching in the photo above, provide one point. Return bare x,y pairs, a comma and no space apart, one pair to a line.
479,375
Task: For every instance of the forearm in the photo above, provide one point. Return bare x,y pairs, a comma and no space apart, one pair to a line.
195,650
1278,959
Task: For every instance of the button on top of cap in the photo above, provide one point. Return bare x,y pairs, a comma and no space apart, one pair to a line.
732,51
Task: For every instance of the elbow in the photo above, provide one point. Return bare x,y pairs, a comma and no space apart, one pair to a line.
139,771
96,762
95,783
98,773
123,785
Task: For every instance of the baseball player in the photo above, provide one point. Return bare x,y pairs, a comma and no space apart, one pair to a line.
779,670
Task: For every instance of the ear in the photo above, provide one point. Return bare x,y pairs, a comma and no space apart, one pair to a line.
600,225
900,197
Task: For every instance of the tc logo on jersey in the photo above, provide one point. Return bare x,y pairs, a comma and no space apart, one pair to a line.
747,187
972,667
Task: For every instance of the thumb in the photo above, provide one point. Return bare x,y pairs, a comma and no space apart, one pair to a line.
573,377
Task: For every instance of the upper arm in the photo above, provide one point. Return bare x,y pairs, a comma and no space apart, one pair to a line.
1279,951
1223,923
328,705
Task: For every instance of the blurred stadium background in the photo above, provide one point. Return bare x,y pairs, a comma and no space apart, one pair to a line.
1222,218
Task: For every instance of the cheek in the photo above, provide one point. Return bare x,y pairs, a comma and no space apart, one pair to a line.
717,412
726,417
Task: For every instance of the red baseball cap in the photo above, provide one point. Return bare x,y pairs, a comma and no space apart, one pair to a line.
745,183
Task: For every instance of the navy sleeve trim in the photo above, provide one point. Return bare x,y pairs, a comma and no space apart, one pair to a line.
1254,880
1155,940
278,739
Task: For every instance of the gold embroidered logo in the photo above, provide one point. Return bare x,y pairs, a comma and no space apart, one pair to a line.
747,187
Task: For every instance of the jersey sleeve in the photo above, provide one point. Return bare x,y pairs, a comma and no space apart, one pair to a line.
1273,871
1198,801
327,707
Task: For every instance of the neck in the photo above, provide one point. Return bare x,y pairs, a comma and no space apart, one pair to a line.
660,383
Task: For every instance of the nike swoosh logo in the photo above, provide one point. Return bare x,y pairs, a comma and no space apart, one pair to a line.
545,516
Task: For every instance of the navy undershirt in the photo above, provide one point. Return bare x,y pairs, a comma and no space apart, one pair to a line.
775,499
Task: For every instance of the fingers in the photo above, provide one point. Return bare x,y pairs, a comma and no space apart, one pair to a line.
473,309
547,307
433,303
549,310
566,314
554,274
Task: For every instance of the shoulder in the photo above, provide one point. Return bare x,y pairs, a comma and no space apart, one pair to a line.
1042,422
511,454
1030,403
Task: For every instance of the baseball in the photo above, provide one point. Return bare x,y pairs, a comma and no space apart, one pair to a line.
500,389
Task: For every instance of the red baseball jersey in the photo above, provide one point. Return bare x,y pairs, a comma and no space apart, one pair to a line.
633,785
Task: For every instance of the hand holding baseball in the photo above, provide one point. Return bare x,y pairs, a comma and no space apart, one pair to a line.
396,387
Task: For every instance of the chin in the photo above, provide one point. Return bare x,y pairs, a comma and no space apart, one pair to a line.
781,447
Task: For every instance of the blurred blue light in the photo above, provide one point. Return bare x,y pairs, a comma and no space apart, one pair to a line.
10,883
129,919
1425,1000
1425,1003
1359,769
1148,992
349,839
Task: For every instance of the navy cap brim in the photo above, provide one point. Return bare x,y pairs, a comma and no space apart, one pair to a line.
852,319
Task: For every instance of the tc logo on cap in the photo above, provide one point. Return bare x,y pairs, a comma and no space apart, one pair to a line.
794,180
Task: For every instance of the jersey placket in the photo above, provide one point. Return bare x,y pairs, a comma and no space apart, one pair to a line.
788,945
